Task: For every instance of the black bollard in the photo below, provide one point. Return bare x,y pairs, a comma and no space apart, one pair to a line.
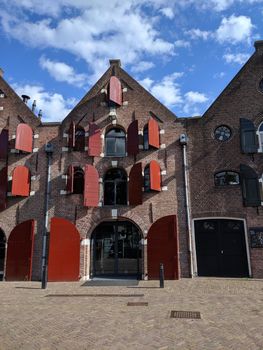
161,276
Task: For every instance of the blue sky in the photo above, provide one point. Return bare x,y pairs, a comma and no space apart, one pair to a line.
183,51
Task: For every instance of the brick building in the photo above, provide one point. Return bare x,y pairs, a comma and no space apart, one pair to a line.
128,190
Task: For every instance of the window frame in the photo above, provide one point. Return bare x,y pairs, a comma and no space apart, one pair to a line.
78,169
76,148
261,188
226,184
115,183
123,137
260,137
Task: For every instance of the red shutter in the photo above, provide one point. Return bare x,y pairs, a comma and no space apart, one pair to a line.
70,179
115,91
20,252
64,251
133,138
162,247
154,136
4,144
135,185
91,187
24,138
94,146
155,176
3,188
21,181
71,135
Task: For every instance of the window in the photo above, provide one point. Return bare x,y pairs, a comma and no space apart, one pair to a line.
260,85
2,94
79,139
115,187
146,137
147,179
222,133
261,188
260,137
226,178
115,141
78,182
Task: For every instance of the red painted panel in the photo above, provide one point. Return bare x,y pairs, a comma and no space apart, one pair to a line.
94,145
64,251
91,187
3,188
135,184
133,138
162,247
20,252
4,144
24,138
155,176
21,181
71,135
70,179
115,94
154,136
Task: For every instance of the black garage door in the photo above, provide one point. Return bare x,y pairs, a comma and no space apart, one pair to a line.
221,248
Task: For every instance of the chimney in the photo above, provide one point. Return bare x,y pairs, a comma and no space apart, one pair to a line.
259,47
34,104
25,98
40,114
1,72
115,62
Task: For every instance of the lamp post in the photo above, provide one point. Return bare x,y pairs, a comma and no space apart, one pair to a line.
49,152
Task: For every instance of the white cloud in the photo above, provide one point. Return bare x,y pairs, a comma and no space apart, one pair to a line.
142,66
234,29
195,97
199,34
96,32
60,71
239,58
147,83
167,12
219,75
53,105
181,43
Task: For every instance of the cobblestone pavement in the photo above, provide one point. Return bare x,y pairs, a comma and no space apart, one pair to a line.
86,317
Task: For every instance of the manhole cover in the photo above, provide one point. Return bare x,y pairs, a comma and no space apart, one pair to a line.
139,303
185,314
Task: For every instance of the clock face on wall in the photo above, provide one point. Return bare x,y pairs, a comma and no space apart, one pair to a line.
222,133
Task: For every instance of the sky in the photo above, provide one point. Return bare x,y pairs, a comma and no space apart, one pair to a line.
183,51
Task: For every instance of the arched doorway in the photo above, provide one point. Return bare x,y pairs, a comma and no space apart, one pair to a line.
2,254
116,250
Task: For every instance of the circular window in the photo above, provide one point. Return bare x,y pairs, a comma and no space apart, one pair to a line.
222,133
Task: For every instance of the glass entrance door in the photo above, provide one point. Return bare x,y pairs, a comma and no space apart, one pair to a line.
117,250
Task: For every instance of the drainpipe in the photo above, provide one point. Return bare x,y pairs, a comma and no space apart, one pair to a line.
49,152
183,143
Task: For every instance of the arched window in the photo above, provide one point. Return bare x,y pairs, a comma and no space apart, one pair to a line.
115,143
224,178
260,137
79,139
147,179
146,137
115,187
78,182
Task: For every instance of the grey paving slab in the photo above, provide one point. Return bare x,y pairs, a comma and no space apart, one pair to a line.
231,315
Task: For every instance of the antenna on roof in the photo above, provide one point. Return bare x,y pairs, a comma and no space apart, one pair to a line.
34,104
25,98
40,114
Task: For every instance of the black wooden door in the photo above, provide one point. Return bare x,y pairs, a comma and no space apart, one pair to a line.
221,248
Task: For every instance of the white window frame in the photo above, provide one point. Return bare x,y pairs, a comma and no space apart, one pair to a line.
260,138
261,185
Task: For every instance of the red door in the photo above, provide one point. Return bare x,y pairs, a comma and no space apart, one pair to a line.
20,252
64,251
162,247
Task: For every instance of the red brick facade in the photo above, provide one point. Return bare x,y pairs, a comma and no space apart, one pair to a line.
206,156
